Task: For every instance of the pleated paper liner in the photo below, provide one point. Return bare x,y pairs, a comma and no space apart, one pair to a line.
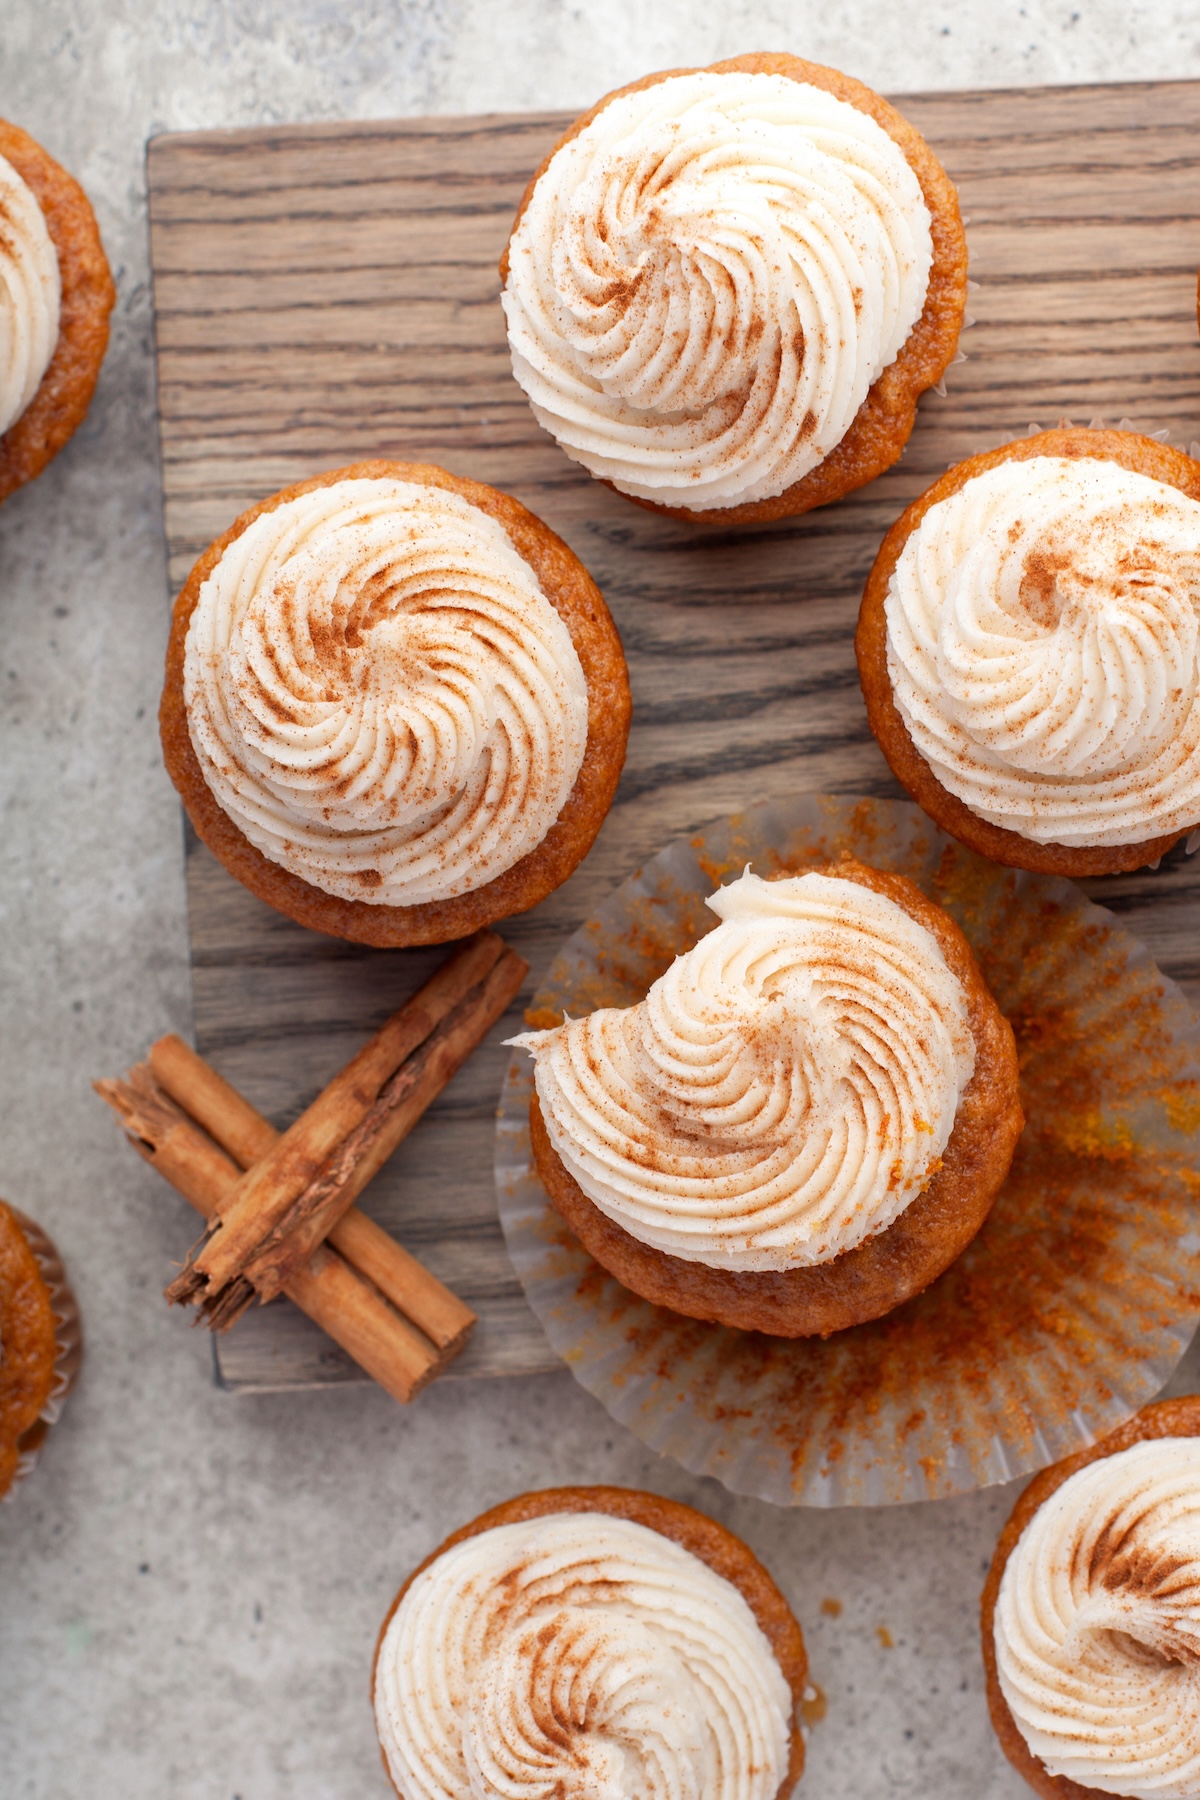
68,1346
1068,1311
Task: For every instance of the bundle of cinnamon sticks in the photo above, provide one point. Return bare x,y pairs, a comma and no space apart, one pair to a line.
280,1207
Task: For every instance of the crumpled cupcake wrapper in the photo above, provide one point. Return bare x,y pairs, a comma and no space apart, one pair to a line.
1068,1311
68,1340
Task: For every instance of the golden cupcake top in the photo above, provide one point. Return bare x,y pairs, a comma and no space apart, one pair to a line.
783,1092
707,279
580,1654
30,295
380,695
28,1346
1097,1625
1043,647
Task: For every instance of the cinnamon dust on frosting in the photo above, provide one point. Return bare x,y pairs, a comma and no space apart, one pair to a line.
707,280
1097,1625
584,1656
30,295
380,695
783,1092
1043,646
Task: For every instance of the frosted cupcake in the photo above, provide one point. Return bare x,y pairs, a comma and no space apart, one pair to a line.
395,705
1091,1617
56,293
591,1641
726,288
804,1122
40,1344
1029,648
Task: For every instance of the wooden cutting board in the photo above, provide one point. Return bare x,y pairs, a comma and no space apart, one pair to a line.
325,293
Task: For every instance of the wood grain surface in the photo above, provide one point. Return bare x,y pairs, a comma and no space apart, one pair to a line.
329,292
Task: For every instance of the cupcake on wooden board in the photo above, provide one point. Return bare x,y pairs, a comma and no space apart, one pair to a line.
56,293
726,288
1029,648
591,1641
1091,1617
805,1121
40,1344
395,706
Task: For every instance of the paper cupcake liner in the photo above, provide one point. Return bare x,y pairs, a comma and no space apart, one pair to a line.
1177,437
1068,1311
68,1344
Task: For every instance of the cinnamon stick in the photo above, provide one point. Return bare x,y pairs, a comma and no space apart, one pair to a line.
364,1150
268,1189
408,1284
241,1130
345,1306
193,1084
362,1322
160,1132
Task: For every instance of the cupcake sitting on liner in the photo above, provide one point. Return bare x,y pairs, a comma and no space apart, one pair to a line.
56,293
1091,1617
802,1124
1029,649
726,288
40,1344
591,1641
395,704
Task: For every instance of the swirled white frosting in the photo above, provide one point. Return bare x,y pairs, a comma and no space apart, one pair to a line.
1097,1625
783,1092
380,695
584,1657
707,280
1043,643
30,295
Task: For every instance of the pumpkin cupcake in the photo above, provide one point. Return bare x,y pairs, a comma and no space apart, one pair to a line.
1091,1617
395,705
1029,648
40,1345
726,288
805,1121
56,293
590,1640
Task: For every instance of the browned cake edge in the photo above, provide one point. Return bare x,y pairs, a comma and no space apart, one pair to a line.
578,602
28,1344
60,404
1145,457
723,1552
875,1276
1164,1418
883,424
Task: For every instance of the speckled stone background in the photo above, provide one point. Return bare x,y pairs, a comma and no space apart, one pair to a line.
191,1584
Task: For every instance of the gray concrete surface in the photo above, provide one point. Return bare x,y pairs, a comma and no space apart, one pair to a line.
191,1584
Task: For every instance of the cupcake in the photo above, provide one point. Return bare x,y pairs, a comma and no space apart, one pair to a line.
395,705
56,293
1029,648
1091,1617
802,1124
40,1344
726,288
591,1641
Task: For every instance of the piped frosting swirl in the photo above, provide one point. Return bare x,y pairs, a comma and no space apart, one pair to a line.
583,1656
380,695
30,295
1097,1625
783,1092
707,280
1043,644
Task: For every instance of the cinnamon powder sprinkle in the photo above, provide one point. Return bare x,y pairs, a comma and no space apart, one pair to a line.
1076,1278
